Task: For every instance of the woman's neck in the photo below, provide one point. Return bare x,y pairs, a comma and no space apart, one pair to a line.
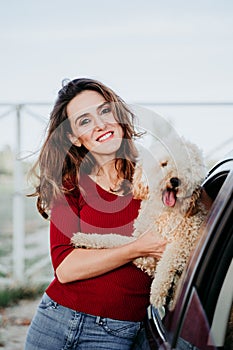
107,176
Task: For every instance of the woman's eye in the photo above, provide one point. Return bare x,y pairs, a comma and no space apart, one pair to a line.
106,110
84,121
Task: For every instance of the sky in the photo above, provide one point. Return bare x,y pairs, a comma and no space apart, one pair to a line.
147,51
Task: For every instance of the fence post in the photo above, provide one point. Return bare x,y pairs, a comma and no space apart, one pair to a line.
18,206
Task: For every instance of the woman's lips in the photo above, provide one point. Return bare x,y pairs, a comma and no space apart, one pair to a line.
105,136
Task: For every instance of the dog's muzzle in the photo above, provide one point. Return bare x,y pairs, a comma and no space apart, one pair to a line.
169,195
175,182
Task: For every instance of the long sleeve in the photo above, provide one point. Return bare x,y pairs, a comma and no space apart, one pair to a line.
63,224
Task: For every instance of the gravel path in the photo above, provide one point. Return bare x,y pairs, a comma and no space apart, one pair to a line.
14,322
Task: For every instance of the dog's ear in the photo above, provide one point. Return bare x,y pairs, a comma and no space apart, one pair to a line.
139,187
141,192
193,208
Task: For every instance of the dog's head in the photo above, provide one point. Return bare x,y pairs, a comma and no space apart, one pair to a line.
183,170
172,173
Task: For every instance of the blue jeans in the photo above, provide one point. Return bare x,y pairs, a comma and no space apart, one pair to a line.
55,327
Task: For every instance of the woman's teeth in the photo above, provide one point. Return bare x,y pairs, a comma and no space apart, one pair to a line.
105,137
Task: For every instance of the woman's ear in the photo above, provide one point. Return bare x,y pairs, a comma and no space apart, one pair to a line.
74,140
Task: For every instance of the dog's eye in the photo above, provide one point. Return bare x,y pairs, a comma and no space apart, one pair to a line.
164,163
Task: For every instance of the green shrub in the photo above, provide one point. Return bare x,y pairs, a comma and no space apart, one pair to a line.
12,295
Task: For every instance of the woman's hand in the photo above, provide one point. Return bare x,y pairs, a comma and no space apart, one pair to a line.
150,245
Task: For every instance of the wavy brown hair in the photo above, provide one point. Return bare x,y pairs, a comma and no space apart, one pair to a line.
61,162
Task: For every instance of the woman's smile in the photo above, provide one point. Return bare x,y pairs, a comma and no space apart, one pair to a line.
105,137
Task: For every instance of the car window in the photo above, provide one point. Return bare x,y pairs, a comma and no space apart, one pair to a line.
228,345
197,331
223,310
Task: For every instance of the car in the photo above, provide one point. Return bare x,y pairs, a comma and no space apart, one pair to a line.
202,317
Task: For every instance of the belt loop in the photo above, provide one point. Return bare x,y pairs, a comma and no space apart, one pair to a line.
100,320
97,319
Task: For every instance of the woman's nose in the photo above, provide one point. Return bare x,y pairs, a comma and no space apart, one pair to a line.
99,122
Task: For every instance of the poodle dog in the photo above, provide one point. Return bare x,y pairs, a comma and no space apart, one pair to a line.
168,180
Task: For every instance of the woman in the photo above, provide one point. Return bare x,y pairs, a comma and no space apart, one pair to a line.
98,298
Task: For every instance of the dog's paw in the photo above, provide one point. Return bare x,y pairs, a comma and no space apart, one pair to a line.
158,295
99,241
86,240
146,264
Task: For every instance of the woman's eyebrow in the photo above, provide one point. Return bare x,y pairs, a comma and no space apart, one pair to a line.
102,105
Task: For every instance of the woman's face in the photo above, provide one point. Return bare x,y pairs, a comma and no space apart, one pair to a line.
94,125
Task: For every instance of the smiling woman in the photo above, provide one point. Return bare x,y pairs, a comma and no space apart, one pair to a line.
94,125
86,168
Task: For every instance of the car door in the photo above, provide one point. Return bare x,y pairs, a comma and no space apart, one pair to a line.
203,311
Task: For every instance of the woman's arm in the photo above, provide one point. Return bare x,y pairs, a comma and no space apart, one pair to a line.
71,264
87,263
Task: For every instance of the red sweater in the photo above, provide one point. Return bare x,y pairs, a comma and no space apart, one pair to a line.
122,293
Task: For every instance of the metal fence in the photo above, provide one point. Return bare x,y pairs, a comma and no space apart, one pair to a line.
24,255
22,127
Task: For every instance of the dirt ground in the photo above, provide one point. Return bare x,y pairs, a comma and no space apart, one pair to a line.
14,322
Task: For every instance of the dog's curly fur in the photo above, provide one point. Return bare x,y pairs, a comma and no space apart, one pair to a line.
168,179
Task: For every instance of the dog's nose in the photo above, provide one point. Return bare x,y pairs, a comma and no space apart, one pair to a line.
175,182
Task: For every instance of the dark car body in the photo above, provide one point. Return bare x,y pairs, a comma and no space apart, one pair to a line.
202,317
